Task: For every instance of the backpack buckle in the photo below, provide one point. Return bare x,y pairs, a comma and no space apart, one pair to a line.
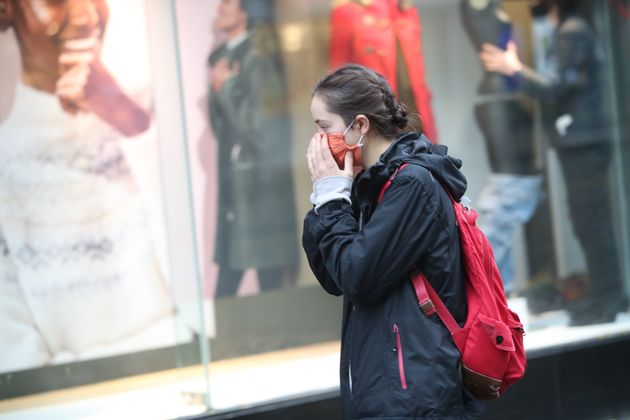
427,307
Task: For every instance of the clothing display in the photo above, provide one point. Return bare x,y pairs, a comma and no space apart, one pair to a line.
507,202
256,226
362,251
386,36
568,81
77,264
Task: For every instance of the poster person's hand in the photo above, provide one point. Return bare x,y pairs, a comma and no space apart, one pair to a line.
321,162
222,72
72,86
86,85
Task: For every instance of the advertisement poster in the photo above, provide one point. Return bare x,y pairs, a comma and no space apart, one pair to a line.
83,268
240,145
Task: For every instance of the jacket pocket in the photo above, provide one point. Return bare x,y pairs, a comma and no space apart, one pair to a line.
401,358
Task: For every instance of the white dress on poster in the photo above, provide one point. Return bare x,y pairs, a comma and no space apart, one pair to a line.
75,240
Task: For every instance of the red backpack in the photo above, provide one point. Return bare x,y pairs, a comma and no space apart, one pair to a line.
491,340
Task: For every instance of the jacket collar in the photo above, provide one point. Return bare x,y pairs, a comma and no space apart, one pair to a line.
413,148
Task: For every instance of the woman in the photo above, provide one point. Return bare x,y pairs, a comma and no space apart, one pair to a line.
395,362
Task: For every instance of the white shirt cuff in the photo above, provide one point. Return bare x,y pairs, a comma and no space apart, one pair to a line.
331,188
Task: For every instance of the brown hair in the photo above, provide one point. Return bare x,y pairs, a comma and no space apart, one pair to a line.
353,89
6,14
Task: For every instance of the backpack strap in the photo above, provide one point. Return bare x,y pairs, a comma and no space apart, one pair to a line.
428,300
389,182
431,303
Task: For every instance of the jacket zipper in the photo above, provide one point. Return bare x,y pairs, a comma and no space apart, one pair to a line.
401,363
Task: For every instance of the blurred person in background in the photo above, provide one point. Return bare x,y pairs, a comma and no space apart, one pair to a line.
513,191
568,82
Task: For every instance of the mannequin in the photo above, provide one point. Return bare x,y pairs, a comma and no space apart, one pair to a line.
501,115
512,194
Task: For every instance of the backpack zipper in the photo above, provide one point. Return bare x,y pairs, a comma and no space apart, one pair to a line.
401,362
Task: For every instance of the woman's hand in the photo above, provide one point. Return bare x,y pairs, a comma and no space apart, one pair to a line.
321,162
497,60
73,87
86,85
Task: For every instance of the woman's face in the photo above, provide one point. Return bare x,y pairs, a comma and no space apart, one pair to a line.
328,122
60,24
49,30
77,18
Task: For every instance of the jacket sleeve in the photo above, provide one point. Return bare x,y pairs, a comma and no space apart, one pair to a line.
573,49
310,243
365,264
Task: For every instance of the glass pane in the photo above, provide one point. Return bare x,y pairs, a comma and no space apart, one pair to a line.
153,185
98,315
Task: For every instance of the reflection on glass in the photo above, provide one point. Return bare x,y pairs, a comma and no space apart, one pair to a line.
79,277
568,82
256,225
507,129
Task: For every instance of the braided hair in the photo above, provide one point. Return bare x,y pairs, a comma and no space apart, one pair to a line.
353,89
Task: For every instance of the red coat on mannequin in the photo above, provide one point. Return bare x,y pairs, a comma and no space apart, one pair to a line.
366,32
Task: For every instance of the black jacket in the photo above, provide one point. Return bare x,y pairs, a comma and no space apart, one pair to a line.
574,87
366,253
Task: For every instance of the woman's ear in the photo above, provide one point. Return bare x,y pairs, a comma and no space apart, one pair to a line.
363,122
6,14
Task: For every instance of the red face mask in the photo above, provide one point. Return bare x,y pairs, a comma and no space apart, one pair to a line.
339,147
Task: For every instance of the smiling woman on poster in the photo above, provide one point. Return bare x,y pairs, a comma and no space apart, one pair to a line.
78,270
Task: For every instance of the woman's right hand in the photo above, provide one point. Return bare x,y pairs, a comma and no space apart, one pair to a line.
321,162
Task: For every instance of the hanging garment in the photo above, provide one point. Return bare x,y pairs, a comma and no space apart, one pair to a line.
381,34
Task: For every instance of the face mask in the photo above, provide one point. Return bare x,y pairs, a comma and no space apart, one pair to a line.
543,28
338,147
539,10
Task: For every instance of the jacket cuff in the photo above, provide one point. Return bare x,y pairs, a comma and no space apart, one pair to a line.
331,188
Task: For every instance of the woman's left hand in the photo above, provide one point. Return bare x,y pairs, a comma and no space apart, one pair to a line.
321,162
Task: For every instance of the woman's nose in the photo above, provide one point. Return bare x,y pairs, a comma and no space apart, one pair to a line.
83,17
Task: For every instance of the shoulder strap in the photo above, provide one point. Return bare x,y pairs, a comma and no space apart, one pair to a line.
389,182
391,178
431,303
